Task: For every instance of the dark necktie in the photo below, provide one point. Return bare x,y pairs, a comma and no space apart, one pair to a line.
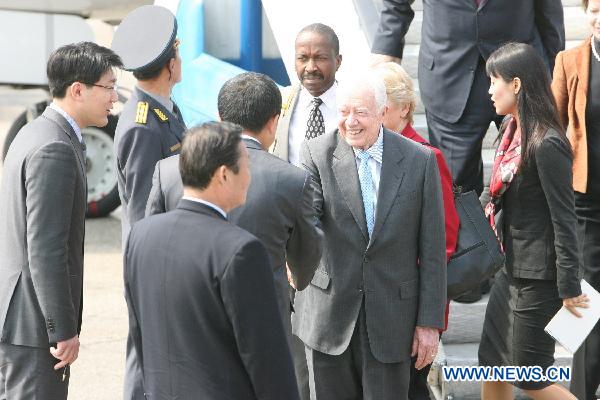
477,2
316,124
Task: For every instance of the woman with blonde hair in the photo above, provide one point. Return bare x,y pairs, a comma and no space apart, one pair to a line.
401,104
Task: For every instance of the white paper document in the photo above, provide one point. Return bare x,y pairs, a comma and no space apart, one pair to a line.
570,331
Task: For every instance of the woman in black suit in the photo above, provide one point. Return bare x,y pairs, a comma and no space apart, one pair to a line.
531,183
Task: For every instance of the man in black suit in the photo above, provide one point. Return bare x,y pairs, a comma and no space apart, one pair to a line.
42,226
456,39
202,305
279,208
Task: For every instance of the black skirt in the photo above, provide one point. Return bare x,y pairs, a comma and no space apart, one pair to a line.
513,329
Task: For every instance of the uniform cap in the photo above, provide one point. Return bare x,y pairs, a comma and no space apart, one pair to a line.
144,37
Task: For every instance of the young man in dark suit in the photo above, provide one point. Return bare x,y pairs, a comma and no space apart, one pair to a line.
42,223
202,305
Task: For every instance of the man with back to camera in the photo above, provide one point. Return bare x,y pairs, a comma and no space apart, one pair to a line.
42,225
379,294
150,127
203,311
278,208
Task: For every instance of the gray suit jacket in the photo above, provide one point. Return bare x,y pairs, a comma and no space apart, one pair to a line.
457,33
202,310
42,223
400,273
280,146
139,144
278,210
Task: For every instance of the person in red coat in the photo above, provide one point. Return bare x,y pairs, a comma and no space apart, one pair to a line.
401,104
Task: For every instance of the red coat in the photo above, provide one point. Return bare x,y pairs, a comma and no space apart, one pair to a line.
451,217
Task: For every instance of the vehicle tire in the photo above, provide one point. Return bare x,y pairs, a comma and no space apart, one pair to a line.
101,167
12,132
103,193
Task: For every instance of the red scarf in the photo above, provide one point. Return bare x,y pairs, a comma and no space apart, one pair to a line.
506,165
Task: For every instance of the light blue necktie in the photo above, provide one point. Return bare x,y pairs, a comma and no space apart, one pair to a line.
366,188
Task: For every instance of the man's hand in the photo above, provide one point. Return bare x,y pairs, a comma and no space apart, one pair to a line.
290,277
425,345
572,303
66,351
382,58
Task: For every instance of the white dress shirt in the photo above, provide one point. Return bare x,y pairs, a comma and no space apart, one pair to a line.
374,165
206,203
69,119
299,119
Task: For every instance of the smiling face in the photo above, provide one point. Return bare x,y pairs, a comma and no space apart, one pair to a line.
504,95
97,101
593,15
316,62
359,117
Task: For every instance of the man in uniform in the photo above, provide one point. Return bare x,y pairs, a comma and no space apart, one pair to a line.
42,224
150,127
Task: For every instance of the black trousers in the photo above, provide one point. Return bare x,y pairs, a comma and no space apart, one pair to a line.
461,141
356,374
27,373
586,361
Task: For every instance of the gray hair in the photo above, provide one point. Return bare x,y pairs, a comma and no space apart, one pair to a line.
370,81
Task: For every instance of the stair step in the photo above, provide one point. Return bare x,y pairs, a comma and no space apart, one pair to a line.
465,322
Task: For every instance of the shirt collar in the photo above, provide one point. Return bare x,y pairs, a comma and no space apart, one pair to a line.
206,203
69,119
376,150
329,97
164,101
244,136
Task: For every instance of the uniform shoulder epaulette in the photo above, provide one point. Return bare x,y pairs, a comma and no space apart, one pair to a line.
141,115
161,115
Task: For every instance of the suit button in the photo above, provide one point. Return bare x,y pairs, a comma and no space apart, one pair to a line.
366,260
361,288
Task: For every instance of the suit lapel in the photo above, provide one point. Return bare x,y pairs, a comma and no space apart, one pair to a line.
281,144
482,3
346,175
392,173
583,68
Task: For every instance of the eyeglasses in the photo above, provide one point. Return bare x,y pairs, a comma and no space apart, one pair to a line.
111,88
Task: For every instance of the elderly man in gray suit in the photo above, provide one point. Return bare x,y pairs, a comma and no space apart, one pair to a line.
42,222
380,291
279,207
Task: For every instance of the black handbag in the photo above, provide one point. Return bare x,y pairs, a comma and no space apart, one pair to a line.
478,254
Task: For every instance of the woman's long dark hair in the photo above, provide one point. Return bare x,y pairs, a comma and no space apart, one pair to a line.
535,103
